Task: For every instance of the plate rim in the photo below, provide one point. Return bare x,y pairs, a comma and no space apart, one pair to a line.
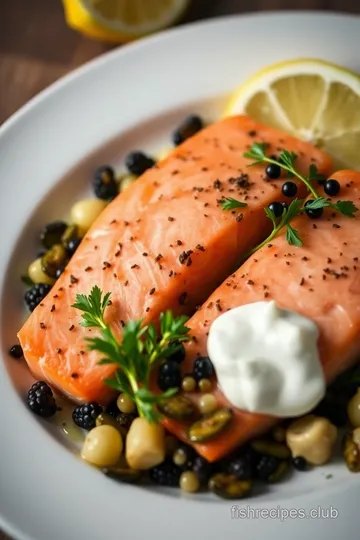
36,101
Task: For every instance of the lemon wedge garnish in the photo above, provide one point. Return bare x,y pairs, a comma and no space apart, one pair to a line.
122,20
311,99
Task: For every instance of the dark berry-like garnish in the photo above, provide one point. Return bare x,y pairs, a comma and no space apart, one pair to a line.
276,208
36,294
104,183
241,467
266,467
203,469
289,189
179,355
331,187
85,415
72,246
311,213
300,463
203,368
138,162
16,351
169,375
273,171
125,419
191,125
40,400
166,474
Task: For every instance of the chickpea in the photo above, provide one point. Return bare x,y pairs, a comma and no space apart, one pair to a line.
180,457
145,444
205,385
189,482
188,384
207,404
125,404
37,275
102,446
356,436
313,438
353,409
85,212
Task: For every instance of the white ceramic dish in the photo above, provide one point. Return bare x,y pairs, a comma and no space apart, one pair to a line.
133,97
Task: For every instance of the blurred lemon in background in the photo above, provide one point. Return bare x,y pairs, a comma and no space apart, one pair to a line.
119,21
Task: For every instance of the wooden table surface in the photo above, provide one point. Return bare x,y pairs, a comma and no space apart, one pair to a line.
36,47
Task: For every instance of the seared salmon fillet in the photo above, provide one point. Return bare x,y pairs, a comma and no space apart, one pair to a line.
165,243
320,280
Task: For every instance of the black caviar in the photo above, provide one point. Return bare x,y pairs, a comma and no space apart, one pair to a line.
104,183
84,416
36,294
203,469
191,125
40,400
138,162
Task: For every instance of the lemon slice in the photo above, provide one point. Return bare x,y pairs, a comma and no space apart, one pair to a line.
122,20
311,99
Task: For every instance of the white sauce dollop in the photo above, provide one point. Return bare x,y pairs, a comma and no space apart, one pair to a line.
266,359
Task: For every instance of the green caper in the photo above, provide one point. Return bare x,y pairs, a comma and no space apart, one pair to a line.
108,420
53,260
71,233
228,486
177,407
52,233
210,425
130,476
351,452
281,471
271,448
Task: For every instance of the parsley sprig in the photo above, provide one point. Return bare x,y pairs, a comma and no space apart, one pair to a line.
229,203
140,351
287,162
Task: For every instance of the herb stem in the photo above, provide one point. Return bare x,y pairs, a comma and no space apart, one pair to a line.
294,172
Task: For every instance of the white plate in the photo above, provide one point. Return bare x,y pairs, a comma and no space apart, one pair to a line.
133,97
